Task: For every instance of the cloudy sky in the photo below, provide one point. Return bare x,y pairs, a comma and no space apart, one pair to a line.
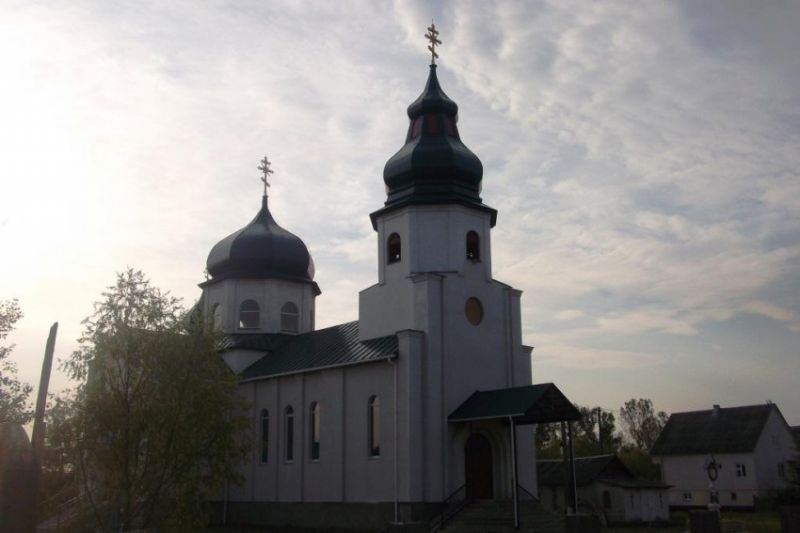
643,157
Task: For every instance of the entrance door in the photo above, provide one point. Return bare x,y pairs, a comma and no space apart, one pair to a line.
478,467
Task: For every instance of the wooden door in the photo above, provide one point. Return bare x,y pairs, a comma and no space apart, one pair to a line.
478,467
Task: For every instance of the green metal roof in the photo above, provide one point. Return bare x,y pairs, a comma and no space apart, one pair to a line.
316,350
529,404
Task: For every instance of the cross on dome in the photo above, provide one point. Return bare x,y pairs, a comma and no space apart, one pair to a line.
433,37
265,169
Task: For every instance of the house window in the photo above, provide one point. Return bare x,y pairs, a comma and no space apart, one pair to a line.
374,426
290,318
733,496
741,470
289,425
314,430
249,315
473,246
687,497
393,248
264,436
782,470
606,499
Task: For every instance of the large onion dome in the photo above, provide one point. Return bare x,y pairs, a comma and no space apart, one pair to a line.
262,249
434,166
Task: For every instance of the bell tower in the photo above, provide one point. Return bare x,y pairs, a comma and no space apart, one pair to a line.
433,220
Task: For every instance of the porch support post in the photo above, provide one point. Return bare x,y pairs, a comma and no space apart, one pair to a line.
514,494
573,488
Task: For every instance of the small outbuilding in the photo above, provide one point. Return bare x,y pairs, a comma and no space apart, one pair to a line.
606,487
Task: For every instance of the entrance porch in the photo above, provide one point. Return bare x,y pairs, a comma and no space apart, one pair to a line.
488,449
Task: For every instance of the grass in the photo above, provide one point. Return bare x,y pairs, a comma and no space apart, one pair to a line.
755,523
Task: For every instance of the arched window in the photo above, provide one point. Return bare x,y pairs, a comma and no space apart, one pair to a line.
314,430
473,246
264,435
374,426
393,248
289,426
249,315
216,316
290,318
606,499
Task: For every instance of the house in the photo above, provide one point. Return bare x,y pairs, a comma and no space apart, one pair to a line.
606,487
751,445
426,397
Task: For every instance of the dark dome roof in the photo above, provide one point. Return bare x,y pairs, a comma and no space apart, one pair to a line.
261,249
434,166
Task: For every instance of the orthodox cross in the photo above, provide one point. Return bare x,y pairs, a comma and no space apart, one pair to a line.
264,168
433,37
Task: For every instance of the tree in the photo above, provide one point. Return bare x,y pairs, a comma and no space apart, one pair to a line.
588,436
596,432
14,406
642,423
157,425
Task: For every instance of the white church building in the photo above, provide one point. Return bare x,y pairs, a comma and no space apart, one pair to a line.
426,398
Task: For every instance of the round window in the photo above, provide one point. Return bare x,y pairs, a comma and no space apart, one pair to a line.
474,311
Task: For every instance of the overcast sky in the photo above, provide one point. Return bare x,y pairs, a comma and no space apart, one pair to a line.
643,157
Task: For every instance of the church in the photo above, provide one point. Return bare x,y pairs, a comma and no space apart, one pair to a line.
427,398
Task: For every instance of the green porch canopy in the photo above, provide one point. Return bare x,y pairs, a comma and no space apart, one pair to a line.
531,404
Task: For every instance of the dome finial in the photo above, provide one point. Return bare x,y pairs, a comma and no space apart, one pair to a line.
433,37
265,169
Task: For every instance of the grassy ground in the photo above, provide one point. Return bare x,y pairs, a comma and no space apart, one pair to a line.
755,523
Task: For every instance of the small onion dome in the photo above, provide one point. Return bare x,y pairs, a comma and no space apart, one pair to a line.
262,249
434,166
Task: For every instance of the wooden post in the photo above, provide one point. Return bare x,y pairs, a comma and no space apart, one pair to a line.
573,489
37,440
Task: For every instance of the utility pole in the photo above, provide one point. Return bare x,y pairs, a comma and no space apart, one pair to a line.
600,429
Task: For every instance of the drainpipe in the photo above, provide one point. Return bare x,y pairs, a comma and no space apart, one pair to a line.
514,493
396,488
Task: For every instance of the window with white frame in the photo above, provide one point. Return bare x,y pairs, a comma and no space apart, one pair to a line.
289,428
313,412
374,426
249,315
264,435
741,470
290,318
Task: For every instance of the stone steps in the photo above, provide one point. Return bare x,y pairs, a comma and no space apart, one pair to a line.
497,517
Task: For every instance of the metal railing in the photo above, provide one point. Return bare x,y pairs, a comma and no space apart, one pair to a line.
526,495
450,507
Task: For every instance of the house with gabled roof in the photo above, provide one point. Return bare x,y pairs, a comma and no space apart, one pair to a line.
605,487
752,447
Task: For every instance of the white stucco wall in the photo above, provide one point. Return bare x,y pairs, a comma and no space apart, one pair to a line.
687,474
344,471
775,446
442,360
270,294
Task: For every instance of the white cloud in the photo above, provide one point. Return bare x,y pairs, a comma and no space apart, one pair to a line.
568,314
645,174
